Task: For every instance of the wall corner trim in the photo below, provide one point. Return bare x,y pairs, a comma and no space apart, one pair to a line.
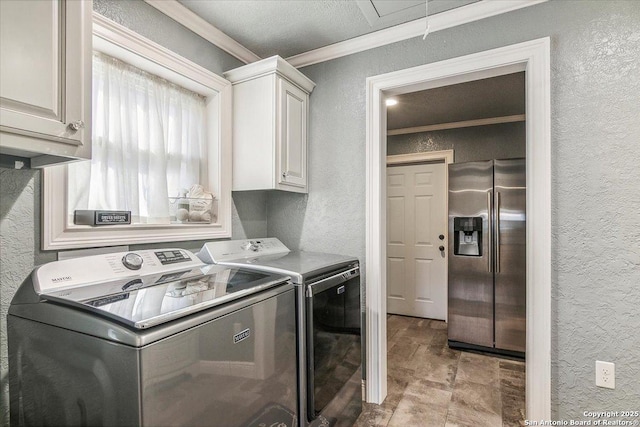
179,13
441,21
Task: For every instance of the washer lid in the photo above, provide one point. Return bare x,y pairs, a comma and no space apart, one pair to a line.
300,266
271,255
146,301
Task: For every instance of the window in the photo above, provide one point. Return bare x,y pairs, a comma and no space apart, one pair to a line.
160,124
148,143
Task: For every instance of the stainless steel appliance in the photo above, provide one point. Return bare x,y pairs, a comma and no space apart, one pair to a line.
152,338
487,255
329,322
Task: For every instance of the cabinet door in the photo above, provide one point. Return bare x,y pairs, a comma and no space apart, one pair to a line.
292,137
45,49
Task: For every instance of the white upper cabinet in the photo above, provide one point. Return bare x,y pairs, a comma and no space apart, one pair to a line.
270,121
45,80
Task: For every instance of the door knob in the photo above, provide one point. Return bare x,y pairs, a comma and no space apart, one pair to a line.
441,248
76,126
441,237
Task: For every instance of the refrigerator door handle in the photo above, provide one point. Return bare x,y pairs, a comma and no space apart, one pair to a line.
497,228
490,223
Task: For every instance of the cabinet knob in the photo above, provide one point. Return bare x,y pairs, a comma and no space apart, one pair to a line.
76,126
441,248
284,174
441,237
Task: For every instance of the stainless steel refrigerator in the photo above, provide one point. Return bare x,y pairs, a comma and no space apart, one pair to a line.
487,256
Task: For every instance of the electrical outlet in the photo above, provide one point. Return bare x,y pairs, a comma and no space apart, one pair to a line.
605,374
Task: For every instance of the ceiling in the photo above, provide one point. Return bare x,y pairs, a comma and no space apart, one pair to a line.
290,27
479,99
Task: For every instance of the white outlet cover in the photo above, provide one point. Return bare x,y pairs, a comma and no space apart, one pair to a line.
605,374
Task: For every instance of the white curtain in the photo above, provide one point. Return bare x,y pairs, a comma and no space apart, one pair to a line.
148,143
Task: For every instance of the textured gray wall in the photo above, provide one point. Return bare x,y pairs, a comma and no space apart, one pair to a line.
18,195
20,189
595,60
595,197
249,214
503,141
154,25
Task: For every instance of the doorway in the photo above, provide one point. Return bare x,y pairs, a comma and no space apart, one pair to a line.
483,120
533,58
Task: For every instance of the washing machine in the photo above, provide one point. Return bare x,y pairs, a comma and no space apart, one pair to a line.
150,338
329,317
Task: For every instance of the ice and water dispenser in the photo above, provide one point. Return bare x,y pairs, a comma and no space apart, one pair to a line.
467,240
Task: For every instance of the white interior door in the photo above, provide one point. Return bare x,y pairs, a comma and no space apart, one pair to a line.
416,218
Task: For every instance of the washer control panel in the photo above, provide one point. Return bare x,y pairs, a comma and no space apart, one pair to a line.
172,256
132,261
108,267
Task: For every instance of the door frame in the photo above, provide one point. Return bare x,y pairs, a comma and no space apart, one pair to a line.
533,57
445,156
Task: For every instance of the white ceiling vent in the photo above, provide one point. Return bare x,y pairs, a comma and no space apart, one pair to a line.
384,13
380,12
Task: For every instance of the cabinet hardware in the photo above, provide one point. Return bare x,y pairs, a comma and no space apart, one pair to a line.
76,126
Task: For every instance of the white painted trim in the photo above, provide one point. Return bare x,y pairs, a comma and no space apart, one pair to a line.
441,21
426,156
195,77
57,234
375,245
458,125
534,58
273,64
179,13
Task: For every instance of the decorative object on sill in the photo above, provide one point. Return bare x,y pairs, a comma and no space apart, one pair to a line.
196,206
182,213
95,217
200,204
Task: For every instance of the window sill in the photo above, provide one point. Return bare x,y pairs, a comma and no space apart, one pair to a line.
58,234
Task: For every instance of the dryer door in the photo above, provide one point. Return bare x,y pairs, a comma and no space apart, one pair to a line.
333,337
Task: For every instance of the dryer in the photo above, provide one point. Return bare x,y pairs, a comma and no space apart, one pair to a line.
329,314
152,337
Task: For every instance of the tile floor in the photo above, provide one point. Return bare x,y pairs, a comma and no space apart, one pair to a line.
430,384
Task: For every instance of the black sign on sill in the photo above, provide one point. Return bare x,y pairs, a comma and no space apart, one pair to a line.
93,217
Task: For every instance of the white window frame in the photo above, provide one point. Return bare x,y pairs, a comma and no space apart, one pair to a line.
122,43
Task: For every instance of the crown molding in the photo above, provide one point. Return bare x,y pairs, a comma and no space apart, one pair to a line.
186,17
274,64
458,125
441,21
